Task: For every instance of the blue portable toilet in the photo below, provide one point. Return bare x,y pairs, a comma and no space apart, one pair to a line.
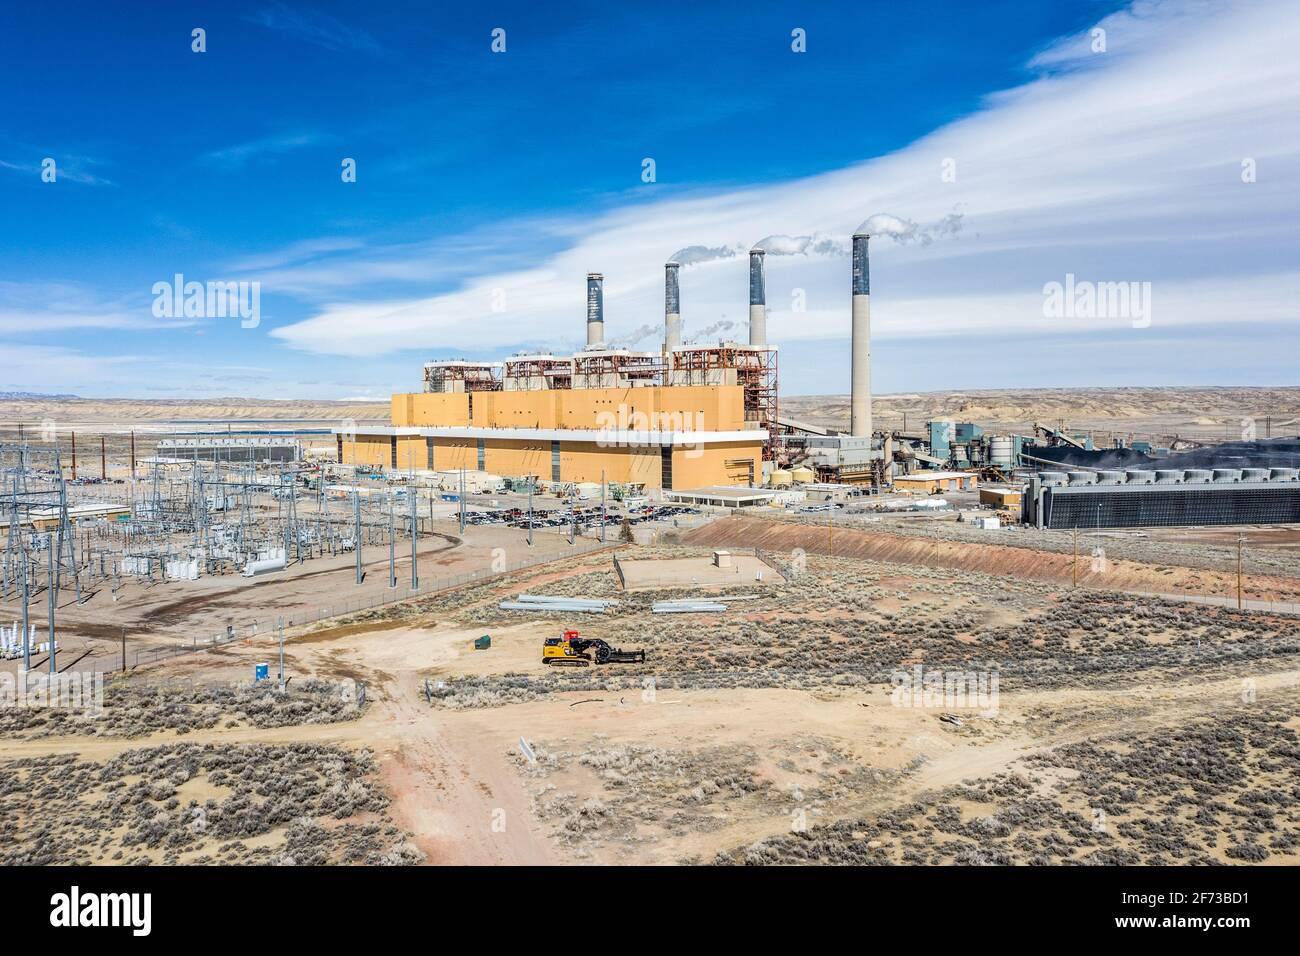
261,671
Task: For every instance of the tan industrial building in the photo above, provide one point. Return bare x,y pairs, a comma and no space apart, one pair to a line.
929,482
683,417
686,416
1002,497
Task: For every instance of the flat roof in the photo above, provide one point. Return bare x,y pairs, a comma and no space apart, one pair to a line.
933,475
613,437
735,492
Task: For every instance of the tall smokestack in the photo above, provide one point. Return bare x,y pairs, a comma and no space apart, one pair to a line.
757,300
672,308
595,309
860,400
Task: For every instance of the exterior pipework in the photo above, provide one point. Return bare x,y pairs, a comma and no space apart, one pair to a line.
757,300
595,309
860,399
672,308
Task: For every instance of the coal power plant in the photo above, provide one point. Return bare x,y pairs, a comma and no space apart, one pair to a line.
701,418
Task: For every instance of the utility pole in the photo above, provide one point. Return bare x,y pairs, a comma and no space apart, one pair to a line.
132,453
462,500
49,591
530,514
415,520
356,533
27,626
103,459
1240,539
123,650
279,623
602,506
74,456
392,542
1076,556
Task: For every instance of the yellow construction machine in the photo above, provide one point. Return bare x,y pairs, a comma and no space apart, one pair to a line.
573,650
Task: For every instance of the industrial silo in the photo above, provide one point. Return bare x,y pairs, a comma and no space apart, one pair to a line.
1001,452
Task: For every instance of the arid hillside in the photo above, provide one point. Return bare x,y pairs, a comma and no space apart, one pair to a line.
142,412
1190,412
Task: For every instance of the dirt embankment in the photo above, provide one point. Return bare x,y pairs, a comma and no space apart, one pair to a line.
1024,563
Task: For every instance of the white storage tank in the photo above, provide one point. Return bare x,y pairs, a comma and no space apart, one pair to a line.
1140,476
1227,474
266,566
1000,451
1169,476
1197,476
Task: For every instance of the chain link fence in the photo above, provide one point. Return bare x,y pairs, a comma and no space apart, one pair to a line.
257,627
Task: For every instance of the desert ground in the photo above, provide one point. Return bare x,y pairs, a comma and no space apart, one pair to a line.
1077,725
882,689
1159,413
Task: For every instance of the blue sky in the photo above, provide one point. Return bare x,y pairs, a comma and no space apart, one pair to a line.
516,172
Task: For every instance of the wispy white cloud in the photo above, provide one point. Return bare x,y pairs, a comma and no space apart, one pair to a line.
267,147
30,308
313,26
1116,166
296,253
67,168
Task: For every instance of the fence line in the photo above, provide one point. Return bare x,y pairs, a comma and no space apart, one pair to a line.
255,628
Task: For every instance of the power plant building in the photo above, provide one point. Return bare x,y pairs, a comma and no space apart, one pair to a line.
687,416
683,417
